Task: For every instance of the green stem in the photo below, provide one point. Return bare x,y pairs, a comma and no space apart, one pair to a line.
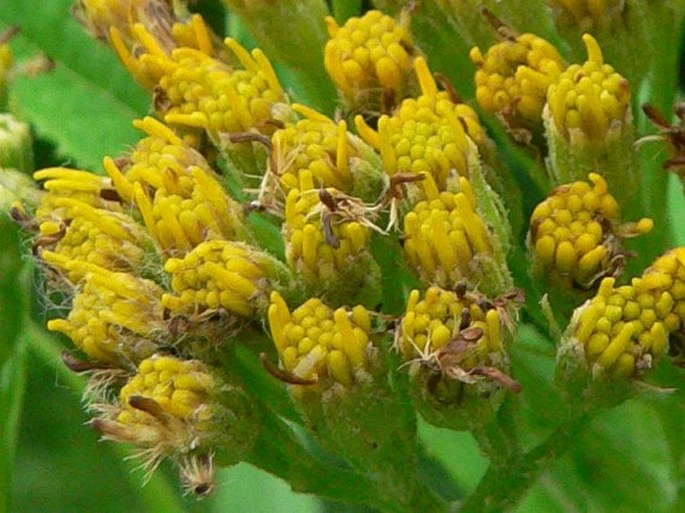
503,486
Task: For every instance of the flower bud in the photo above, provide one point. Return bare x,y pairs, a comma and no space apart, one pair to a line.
333,156
182,410
80,236
427,135
115,318
6,62
616,336
576,233
338,380
198,91
179,197
327,244
666,278
454,345
513,76
588,123
370,58
223,275
447,242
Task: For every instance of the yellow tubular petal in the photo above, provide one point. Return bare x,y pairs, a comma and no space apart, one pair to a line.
123,187
204,41
425,77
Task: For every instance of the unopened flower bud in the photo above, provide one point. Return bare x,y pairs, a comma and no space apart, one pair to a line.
427,135
576,236
447,242
588,123
368,58
587,14
617,336
180,409
454,344
223,275
513,76
328,244
179,197
333,156
115,318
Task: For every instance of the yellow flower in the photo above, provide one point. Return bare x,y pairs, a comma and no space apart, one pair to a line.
168,409
327,244
333,156
513,76
179,197
115,318
622,331
590,102
317,344
83,234
445,239
666,275
575,234
429,135
368,57
199,91
220,274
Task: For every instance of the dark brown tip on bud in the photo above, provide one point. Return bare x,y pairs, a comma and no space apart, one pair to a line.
282,375
240,137
148,406
655,116
447,86
20,217
105,427
330,237
76,365
110,195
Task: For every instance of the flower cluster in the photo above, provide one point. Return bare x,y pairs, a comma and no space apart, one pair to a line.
375,251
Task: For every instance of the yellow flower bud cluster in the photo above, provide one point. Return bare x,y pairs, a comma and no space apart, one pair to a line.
115,318
369,55
319,145
444,238
575,234
450,333
623,330
325,247
427,135
198,91
590,101
513,76
85,234
317,344
168,408
667,275
221,274
181,389
179,197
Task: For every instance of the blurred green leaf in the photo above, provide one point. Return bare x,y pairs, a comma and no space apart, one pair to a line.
87,102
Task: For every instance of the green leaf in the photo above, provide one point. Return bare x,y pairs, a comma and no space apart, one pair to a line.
86,103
